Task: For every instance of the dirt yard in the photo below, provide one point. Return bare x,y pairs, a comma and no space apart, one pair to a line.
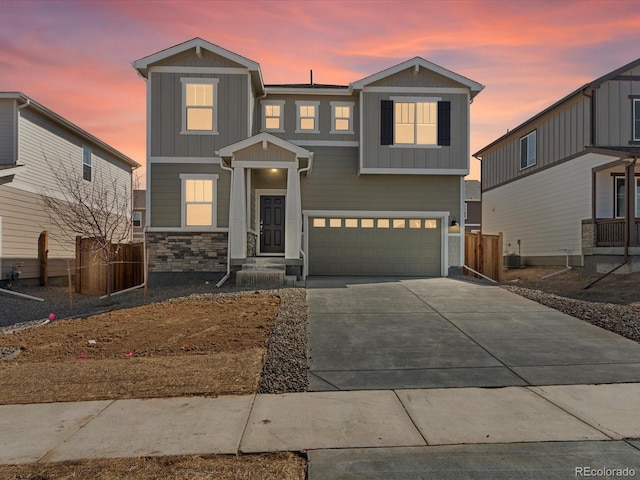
621,289
173,348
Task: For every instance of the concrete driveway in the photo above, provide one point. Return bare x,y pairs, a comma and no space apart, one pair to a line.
397,333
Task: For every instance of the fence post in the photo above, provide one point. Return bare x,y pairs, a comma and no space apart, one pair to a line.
498,259
43,257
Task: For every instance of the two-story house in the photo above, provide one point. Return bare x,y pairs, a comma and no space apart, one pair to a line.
564,186
358,179
36,142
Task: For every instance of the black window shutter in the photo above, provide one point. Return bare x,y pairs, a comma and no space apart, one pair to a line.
444,123
386,122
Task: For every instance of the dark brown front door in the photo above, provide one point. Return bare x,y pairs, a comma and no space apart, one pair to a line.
272,224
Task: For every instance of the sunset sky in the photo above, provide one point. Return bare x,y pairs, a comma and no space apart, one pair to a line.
75,56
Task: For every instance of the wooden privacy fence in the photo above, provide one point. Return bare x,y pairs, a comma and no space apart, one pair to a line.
91,270
483,253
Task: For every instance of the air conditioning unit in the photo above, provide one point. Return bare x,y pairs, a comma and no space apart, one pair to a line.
511,261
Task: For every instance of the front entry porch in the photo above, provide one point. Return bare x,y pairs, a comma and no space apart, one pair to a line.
265,214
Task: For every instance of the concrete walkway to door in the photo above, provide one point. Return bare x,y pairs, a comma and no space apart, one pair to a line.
401,333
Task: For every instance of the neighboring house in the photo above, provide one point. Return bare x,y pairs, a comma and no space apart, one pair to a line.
32,138
565,185
472,206
138,216
358,179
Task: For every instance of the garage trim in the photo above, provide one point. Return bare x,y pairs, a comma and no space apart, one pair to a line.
444,216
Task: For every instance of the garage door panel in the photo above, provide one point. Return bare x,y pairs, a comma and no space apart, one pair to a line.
375,251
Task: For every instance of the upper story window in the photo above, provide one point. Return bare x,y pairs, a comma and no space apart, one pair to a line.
273,115
307,117
419,122
86,164
198,200
528,150
416,123
636,119
342,117
199,105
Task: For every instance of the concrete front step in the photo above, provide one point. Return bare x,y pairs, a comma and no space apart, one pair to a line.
266,278
264,266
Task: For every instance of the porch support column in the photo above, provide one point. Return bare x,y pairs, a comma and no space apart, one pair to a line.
238,216
293,215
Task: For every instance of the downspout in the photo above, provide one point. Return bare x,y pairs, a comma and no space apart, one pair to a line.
299,193
226,277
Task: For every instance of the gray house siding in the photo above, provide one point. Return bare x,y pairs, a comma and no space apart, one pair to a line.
395,156
7,131
334,184
324,119
614,109
423,78
166,124
166,194
191,59
560,134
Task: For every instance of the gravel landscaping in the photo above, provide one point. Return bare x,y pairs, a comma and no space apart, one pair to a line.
621,319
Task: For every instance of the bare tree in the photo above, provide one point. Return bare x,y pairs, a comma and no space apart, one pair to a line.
100,208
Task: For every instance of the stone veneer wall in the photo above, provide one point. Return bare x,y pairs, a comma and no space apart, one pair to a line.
252,242
588,236
187,251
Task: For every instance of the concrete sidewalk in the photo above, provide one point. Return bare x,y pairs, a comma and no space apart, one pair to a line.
322,420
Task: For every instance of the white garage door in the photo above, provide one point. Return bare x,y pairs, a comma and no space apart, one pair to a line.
375,246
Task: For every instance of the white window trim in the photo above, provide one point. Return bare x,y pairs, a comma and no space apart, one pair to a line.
535,159
183,200
636,117
305,103
406,99
205,81
264,117
351,106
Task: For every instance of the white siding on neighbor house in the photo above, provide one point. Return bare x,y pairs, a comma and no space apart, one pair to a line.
41,140
545,210
23,219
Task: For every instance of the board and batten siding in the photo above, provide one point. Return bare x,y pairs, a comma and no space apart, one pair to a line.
559,134
166,194
376,155
7,131
334,184
324,117
614,110
166,118
543,211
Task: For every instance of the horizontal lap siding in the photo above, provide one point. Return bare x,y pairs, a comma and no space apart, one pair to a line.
544,211
334,184
23,219
166,192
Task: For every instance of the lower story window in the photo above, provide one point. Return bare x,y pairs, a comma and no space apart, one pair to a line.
620,198
198,200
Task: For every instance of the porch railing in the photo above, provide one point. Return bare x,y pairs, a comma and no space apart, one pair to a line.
610,232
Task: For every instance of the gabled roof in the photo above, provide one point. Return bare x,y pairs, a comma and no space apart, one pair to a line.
143,65
30,103
417,63
228,151
579,91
